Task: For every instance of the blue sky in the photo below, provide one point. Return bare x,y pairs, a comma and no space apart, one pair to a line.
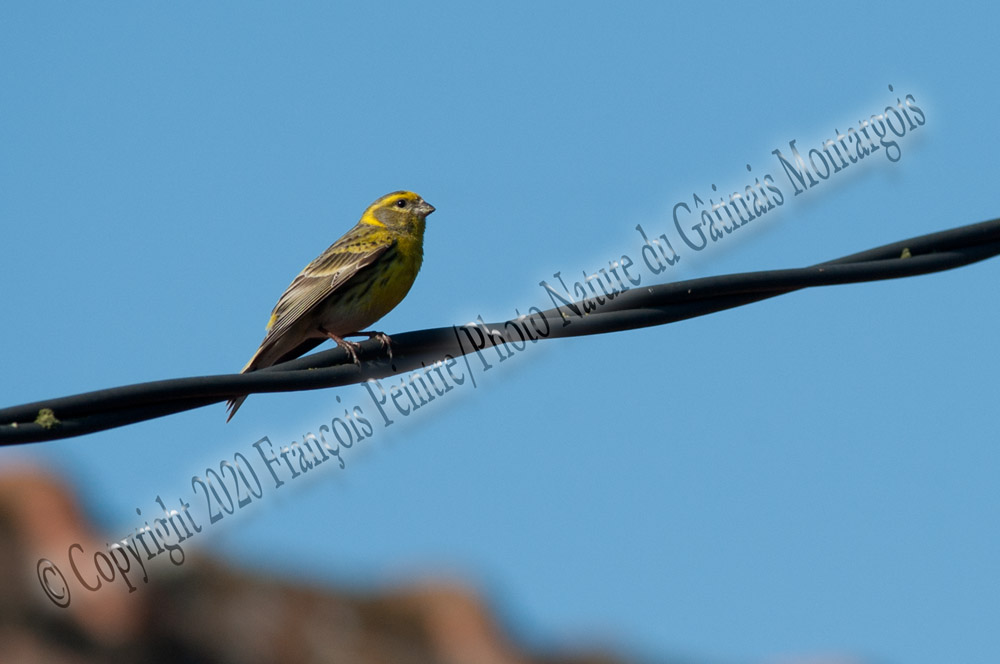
808,475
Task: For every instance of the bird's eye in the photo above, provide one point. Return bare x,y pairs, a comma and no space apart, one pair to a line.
401,203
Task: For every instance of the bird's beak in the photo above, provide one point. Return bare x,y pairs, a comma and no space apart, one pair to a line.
426,208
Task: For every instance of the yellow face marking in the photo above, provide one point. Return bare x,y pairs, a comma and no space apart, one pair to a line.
387,203
401,196
370,219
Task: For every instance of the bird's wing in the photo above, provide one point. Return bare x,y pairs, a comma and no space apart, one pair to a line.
331,271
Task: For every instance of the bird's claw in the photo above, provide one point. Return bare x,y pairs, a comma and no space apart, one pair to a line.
383,339
352,350
349,347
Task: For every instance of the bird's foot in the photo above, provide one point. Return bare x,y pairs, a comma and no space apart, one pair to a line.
383,339
349,346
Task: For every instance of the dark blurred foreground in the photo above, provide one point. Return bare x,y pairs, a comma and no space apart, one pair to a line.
204,611
207,611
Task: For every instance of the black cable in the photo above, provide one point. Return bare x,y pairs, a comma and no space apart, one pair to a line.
638,307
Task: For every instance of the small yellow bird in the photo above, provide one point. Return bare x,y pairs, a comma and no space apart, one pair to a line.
348,287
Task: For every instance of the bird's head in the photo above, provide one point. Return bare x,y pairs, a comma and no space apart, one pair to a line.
400,210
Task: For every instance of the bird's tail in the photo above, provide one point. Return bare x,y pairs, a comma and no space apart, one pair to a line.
233,405
271,351
259,360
